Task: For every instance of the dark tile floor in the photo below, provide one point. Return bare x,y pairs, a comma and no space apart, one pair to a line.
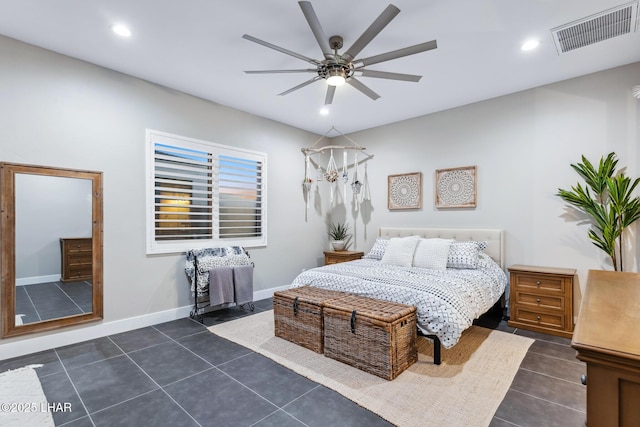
44,301
179,374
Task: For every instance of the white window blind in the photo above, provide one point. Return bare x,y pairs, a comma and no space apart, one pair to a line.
201,194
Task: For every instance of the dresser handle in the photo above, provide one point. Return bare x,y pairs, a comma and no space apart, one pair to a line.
538,300
538,283
538,318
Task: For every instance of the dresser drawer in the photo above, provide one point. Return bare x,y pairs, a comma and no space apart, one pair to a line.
539,281
78,246
542,300
85,258
82,273
539,318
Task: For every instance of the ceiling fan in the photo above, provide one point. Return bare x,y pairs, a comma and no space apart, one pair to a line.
337,68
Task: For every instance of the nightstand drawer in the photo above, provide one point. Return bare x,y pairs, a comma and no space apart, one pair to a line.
540,282
543,300
539,318
335,257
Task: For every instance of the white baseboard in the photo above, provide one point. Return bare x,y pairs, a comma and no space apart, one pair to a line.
14,347
37,279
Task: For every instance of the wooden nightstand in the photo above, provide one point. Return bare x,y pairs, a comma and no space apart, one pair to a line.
334,257
541,299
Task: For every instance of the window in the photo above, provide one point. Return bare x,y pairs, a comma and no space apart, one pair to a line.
201,194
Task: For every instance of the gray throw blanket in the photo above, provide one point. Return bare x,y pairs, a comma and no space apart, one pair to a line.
243,283
221,285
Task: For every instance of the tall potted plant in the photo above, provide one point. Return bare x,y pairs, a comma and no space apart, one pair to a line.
607,199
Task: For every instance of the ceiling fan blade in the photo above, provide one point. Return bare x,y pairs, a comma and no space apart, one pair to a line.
395,54
362,88
331,90
300,86
316,28
280,49
388,75
306,70
381,21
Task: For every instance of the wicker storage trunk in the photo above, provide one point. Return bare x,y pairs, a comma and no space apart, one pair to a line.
297,315
375,336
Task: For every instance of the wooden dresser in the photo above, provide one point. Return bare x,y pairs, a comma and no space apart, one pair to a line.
334,257
607,339
541,299
77,259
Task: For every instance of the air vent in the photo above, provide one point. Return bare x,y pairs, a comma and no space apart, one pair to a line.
596,28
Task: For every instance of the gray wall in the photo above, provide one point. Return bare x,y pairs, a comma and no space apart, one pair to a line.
61,112
522,145
58,111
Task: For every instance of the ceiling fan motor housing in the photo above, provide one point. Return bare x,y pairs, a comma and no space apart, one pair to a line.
346,70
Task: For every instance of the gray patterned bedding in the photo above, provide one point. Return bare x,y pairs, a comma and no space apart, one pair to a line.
447,301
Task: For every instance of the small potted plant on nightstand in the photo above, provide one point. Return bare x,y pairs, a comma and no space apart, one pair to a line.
339,235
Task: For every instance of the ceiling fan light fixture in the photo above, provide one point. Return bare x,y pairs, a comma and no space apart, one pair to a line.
336,78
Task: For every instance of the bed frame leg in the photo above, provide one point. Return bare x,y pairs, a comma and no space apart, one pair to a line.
437,357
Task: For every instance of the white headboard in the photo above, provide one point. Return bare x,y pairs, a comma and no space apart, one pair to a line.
493,237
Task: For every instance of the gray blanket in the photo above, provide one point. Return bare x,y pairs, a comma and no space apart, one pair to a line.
243,283
221,285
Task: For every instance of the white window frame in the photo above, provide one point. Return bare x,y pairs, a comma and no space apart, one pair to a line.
154,246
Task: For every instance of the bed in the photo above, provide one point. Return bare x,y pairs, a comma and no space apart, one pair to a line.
447,299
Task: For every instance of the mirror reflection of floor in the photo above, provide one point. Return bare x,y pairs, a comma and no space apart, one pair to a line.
52,300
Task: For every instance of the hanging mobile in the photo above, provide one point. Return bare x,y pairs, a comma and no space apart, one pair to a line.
345,174
356,184
331,174
306,183
366,186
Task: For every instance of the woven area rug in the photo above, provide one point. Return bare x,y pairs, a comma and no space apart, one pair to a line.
22,399
465,390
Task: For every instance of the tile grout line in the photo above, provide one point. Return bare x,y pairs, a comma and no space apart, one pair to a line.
33,305
548,401
506,421
154,381
66,372
551,376
216,366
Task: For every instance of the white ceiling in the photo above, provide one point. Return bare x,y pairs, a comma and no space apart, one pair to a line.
196,46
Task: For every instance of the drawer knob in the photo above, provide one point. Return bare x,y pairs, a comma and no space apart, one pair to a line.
538,300
538,283
538,318
583,379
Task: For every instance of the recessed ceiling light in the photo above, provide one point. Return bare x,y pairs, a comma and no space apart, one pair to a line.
121,30
324,111
530,44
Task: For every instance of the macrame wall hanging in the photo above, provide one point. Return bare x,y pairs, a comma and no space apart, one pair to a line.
359,186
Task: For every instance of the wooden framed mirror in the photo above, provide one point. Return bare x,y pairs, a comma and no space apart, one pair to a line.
51,254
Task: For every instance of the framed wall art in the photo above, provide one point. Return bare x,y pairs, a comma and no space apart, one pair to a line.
456,187
404,191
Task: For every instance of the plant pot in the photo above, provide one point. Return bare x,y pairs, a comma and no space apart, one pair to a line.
338,245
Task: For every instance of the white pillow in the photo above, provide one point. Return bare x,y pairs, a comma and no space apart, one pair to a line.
432,253
400,251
